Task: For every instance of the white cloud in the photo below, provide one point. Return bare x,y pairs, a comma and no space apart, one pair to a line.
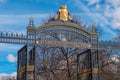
114,3
2,1
19,19
105,23
4,76
108,11
11,58
80,5
115,23
97,6
114,14
91,2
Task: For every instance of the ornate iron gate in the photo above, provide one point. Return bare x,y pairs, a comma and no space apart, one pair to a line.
60,35
88,65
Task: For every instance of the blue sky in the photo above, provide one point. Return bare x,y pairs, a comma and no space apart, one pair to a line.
14,17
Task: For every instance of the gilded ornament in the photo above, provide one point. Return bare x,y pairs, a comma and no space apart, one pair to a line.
63,13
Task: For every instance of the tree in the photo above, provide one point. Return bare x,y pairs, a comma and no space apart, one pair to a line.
57,63
110,64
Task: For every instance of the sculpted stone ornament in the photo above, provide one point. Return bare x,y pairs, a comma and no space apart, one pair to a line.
63,13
